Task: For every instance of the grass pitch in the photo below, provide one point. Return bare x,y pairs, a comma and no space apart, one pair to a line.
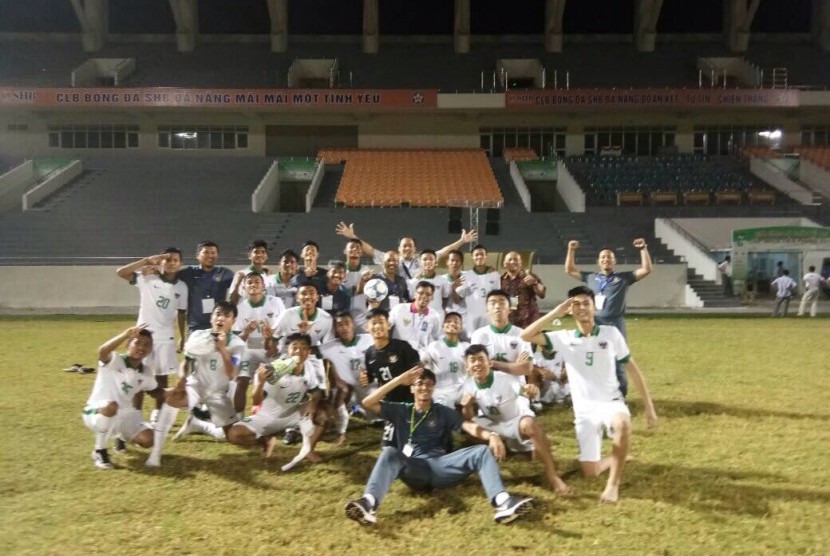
739,464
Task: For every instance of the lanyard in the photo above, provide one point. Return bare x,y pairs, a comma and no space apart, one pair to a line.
604,281
412,424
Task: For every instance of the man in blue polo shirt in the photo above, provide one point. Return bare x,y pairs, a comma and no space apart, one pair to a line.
609,289
207,284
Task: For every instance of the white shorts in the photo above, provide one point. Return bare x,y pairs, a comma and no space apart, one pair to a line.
508,430
590,425
250,362
222,411
265,424
163,359
127,423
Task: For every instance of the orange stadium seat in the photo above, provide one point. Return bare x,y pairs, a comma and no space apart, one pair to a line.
519,153
416,177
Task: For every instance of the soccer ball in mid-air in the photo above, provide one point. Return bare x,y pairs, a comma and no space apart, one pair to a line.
376,289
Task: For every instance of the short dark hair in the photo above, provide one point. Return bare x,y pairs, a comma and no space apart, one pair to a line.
311,243
456,252
498,293
449,314
226,307
812,268
786,272
206,243
429,251
342,314
475,349
377,312
298,337
601,249
172,250
257,243
581,290
337,264
425,284
257,274
479,246
145,332
354,240
289,253
426,374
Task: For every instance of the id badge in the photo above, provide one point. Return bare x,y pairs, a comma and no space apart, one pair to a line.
408,449
207,305
599,301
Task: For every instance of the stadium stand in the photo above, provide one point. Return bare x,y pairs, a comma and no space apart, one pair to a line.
819,155
419,178
519,154
667,179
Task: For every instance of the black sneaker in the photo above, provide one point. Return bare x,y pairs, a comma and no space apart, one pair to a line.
361,511
120,446
512,509
101,459
292,436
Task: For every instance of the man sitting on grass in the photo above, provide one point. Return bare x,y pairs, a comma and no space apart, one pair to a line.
422,461
591,353
111,408
505,411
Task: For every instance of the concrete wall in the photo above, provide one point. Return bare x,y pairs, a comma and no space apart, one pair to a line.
815,176
14,183
53,183
521,186
66,289
569,190
266,196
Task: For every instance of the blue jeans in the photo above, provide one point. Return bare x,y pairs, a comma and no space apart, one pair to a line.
619,324
436,472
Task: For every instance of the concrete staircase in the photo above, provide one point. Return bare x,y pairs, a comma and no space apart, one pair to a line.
709,292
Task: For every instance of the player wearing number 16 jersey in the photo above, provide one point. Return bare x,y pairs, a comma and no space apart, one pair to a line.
446,359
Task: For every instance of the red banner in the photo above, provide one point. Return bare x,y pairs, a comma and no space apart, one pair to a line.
166,97
650,98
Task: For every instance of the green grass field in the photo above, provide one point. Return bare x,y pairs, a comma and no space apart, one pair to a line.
739,464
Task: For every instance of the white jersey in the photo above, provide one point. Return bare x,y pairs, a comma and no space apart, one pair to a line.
441,288
554,364
417,329
812,280
450,305
447,362
591,363
268,309
321,325
475,300
500,398
116,382
274,286
502,344
359,307
284,397
207,372
347,359
784,286
160,304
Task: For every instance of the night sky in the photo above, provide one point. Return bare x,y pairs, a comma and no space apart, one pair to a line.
402,17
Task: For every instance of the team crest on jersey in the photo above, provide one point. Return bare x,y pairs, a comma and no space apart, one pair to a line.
177,295
407,321
603,345
432,423
393,358
514,344
270,315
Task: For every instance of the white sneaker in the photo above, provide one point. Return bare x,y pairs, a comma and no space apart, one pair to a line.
153,461
154,417
513,508
185,429
101,459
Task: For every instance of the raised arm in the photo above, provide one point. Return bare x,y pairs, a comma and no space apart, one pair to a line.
466,237
570,265
126,272
347,231
106,349
639,381
645,259
534,333
372,401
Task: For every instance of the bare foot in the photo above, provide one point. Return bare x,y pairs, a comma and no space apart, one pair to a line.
268,449
314,457
610,495
341,439
560,488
